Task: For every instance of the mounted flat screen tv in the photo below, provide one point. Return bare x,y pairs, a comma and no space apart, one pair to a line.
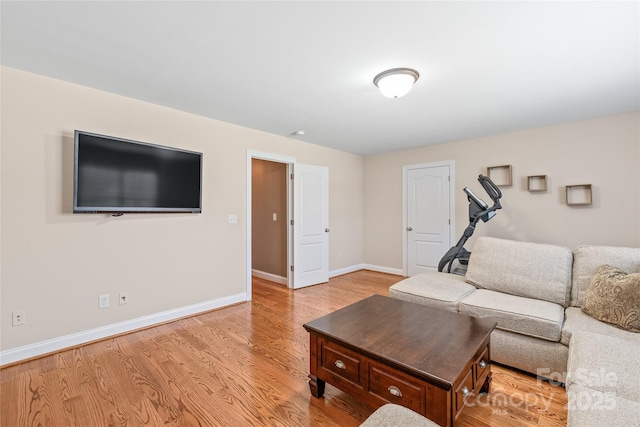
119,176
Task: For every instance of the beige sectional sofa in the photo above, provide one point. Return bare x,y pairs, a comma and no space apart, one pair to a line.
536,293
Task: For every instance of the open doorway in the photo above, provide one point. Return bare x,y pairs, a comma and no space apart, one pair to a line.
307,238
269,207
287,162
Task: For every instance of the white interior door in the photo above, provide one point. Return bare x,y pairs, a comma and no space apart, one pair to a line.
428,217
310,225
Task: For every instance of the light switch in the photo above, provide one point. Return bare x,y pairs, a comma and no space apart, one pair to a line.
275,216
233,219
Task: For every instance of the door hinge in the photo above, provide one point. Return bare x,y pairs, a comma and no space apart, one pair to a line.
291,222
449,221
449,178
292,268
291,176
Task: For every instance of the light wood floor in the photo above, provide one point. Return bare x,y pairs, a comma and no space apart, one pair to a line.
244,365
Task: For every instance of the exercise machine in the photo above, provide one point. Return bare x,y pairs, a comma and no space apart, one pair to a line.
478,210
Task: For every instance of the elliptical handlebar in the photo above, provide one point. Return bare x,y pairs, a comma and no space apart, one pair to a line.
492,190
485,213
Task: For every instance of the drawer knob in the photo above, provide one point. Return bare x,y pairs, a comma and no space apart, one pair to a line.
395,391
465,391
482,364
340,364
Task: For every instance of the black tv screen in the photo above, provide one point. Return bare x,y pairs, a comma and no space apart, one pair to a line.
119,176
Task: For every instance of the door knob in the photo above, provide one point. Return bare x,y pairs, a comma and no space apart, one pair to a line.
409,228
326,230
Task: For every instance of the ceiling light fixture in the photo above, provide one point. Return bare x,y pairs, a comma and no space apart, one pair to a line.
396,82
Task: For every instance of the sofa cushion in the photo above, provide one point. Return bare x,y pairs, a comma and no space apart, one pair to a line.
576,320
433,289
603,378
606,364
614,297
592,408
587,260
540,357
531,270
527,316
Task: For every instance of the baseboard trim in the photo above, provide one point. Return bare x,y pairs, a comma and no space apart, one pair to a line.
270,277
56,344
346,270
389,270
352,268
332,273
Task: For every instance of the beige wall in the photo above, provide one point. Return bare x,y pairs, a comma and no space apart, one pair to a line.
55,264
268,197
604,152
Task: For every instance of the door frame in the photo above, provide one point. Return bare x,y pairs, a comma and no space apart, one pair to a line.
452,204
278,158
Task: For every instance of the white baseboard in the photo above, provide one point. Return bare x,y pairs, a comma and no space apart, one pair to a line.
270,277
389,270
332,273
351,269
345,270
60,343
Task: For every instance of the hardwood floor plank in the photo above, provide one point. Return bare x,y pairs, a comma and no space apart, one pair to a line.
244,365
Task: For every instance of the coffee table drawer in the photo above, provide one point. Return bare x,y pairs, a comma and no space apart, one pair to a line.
396,387
464,391
341,361
482,364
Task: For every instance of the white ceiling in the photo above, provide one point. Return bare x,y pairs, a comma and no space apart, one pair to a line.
486,67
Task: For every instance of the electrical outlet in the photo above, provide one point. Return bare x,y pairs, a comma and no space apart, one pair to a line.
18,318
103,301
233,219
123,298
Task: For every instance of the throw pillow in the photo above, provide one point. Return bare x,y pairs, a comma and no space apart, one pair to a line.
614,297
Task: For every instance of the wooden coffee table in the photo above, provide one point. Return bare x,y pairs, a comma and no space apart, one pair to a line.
382,350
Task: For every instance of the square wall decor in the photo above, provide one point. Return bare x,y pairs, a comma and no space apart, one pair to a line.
500,175
537,183
579,195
